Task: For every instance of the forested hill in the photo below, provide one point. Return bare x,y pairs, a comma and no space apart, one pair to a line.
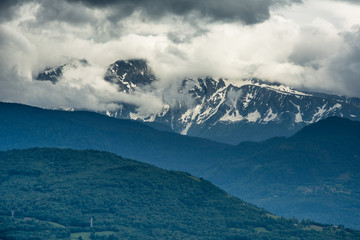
55,193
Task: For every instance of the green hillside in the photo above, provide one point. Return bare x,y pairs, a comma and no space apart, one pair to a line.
55,193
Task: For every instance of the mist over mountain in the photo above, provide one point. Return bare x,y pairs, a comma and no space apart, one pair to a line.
219,109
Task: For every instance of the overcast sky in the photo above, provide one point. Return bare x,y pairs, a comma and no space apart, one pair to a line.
308,44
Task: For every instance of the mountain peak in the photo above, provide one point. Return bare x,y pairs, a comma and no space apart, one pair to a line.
221,109
128,74
53,74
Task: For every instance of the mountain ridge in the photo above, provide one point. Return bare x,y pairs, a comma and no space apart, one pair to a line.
312,173
24,126
254,171
224,110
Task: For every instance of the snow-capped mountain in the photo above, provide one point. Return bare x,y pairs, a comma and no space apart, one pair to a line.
252,110
54,74
228,111
129,74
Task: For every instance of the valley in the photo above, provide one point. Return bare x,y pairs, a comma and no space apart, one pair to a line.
311,175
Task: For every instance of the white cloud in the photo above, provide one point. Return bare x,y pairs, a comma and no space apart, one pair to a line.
299,45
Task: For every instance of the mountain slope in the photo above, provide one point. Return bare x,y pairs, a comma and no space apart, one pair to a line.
220,109
313,174
130,200
24,126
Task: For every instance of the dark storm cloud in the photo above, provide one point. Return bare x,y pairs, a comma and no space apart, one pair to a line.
7,9
71,11
346,67
49,11
247,11
64,12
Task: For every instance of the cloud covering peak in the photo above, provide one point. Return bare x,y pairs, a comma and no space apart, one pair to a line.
307,45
